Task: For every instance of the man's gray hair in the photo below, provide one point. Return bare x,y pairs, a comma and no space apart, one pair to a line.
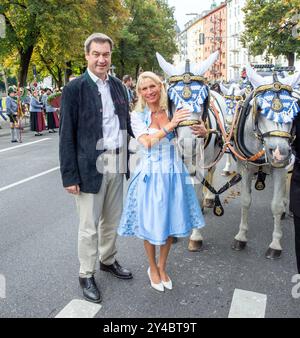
97,37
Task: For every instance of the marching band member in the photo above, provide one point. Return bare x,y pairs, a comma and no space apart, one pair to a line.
11,111
52,118
37,122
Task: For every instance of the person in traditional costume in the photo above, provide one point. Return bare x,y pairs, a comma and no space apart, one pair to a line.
51,114
11,112
37,121
161,202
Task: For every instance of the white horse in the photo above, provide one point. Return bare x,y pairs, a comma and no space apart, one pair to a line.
234,96
188,89
264,129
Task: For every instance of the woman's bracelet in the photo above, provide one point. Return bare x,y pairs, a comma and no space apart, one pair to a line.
165,130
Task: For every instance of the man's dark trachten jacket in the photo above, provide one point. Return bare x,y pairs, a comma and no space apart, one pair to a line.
81,129
295,182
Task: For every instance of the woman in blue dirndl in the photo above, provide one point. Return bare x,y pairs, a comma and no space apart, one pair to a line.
161,201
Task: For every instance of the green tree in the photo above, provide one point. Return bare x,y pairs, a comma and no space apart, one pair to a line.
30,21
150,28
61,53
266,29
52,32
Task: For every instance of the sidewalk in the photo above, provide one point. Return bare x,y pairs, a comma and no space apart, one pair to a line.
5,131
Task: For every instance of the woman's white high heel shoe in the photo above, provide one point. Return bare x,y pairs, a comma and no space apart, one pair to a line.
168,285
156,286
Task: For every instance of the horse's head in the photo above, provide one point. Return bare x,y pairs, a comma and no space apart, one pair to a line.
188,89
233,96
274,108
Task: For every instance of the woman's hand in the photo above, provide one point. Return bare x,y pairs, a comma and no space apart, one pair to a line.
199,129
179,116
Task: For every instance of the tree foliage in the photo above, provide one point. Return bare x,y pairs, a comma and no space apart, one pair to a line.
268,30
50,35
150,28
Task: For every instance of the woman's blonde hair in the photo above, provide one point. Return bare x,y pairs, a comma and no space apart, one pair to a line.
141,103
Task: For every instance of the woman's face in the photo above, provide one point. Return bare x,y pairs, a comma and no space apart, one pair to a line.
150,91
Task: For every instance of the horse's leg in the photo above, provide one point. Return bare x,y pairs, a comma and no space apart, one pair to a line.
240,240
209,197
196,239
287,196
226,169
278,207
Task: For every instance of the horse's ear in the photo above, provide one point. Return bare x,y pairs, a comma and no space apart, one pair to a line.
255,79
166,66
242,92
291,80
223,89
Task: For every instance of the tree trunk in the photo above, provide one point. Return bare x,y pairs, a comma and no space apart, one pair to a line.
59,77
68,71
25,57
291,59
5,81
137,71
122,58
122,71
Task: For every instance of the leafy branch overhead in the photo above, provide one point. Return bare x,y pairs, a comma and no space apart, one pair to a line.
268,28
50,34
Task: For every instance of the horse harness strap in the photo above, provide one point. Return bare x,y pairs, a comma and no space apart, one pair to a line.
276,87
186,78
188,123
234,97
278,133
228,136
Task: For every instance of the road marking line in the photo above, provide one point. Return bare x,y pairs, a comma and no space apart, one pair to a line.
24,145
79,309
28,179
247,304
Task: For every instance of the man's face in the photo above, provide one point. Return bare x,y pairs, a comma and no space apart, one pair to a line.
99,59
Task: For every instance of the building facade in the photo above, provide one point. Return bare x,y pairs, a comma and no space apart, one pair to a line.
220,28
237,56
215,33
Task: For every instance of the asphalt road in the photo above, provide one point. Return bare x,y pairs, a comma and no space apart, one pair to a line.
38,252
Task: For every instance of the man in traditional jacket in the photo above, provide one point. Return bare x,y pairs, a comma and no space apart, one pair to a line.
295,191
94,112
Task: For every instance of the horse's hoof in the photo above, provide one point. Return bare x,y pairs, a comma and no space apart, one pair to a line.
208,203
194,245
282,216
238,245
273,253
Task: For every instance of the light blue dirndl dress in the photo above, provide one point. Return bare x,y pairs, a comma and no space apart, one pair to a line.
161,200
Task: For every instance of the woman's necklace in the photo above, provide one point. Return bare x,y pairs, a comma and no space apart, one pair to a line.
156,114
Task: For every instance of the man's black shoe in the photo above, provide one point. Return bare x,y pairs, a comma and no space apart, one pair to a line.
90,290
117,270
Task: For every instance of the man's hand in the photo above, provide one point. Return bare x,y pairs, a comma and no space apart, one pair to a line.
73,189
199,129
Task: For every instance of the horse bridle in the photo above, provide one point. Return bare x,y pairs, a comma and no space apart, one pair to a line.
275,87
186,78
